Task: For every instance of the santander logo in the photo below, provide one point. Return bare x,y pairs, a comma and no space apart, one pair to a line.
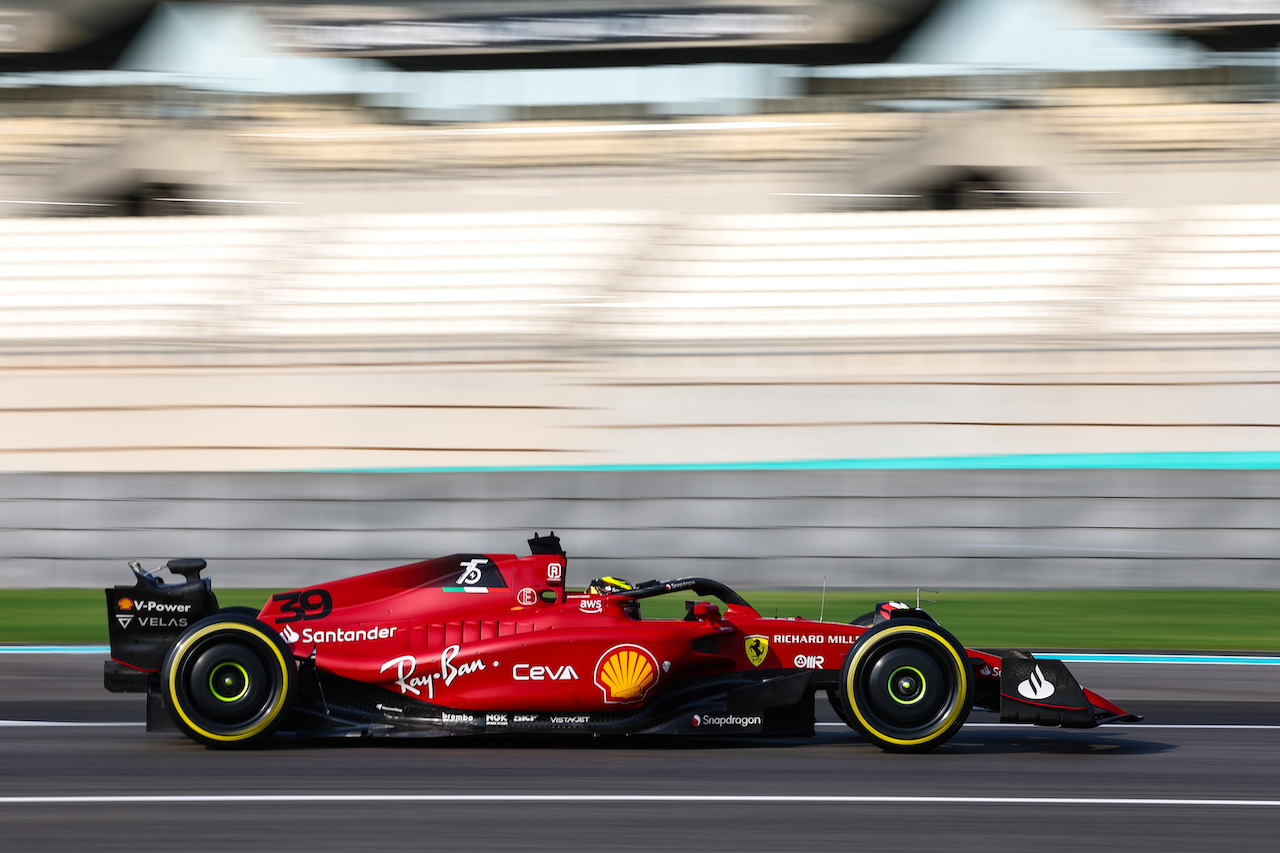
1036,686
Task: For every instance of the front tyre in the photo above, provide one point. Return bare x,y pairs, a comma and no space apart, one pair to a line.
906,685
228,681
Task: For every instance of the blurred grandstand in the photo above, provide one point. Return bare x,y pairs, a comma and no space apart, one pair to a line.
575,233
704,106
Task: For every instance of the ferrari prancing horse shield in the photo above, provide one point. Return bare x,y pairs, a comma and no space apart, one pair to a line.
757,648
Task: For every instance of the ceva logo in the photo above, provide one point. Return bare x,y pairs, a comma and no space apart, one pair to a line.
1036,686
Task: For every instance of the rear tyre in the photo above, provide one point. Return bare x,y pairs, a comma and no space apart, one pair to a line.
906,686
228,681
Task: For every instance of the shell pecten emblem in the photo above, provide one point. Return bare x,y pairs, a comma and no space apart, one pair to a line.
625,673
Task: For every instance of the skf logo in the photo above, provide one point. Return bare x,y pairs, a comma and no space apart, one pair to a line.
625,673
757,648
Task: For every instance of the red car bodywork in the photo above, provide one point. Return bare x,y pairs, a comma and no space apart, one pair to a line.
496,644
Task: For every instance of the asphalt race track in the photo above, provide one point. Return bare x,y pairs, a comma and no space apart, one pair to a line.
1201,773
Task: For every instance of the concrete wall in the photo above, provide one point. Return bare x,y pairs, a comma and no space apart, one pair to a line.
131,428
880,529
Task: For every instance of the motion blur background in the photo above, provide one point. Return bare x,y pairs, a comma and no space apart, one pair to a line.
886,293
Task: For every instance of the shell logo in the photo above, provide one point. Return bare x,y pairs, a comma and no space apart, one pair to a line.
125,604
625,673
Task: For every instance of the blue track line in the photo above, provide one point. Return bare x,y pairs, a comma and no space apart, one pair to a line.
1226,460
1222,660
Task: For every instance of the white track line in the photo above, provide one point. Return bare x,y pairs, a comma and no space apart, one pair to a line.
618,798
36,724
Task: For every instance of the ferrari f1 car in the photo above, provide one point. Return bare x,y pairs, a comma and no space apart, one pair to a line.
495,644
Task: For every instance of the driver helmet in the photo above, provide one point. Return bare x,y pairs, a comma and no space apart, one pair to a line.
607,586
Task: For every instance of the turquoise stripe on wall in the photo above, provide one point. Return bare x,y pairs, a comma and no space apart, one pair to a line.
1244,460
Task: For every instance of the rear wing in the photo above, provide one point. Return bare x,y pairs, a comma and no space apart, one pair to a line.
145,619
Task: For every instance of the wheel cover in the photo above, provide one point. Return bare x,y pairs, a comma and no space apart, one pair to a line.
908,686
229,682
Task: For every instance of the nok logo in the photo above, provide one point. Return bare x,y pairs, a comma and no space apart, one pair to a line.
625,673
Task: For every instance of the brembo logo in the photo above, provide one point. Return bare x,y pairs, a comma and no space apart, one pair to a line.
1036,686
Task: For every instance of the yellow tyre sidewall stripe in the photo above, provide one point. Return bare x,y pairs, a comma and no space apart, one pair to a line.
267,719
962,671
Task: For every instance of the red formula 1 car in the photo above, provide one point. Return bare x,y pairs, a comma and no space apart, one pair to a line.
494,644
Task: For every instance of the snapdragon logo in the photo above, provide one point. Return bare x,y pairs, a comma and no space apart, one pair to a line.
722,722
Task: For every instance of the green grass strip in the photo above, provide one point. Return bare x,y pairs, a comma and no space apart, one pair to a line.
1122,619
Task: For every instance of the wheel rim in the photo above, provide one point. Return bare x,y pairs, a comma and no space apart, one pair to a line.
907,689
907,685
226,686
229,681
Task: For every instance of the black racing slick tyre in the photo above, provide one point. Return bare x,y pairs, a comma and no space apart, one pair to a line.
239,610
228,681
906,686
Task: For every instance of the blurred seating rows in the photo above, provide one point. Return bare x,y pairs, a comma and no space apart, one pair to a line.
1189,130
644,277
1095,121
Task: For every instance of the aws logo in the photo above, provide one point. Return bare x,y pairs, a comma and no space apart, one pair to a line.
626,673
